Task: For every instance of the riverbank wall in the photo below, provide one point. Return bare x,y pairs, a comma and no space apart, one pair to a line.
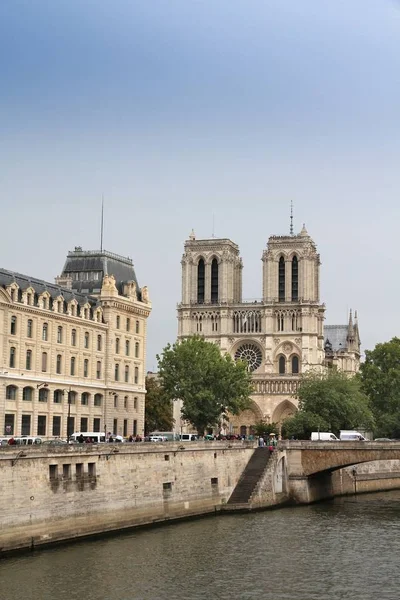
52,494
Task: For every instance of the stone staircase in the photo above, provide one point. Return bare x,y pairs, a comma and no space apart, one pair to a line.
241,495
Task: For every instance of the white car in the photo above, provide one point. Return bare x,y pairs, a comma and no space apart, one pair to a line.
157,438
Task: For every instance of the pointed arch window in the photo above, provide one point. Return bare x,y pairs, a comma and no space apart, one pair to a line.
201,270
295,364
281,281
282,365
214,280
295,279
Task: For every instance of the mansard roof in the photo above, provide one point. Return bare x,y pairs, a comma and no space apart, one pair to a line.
39,285
336,336
88,267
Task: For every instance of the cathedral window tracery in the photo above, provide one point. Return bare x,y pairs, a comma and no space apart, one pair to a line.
247,321
282,364
251,354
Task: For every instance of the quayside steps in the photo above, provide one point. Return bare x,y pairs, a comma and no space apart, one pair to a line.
246,485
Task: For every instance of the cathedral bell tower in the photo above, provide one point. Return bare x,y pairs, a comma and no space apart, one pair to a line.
211,279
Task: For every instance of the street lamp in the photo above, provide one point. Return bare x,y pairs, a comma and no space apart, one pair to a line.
69,413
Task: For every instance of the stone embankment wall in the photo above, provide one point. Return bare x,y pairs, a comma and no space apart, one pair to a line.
48,495
374,476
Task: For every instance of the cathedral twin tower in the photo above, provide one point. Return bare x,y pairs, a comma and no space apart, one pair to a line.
281,335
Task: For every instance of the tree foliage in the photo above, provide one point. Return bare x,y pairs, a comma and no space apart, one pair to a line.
210,385
263,428
380,380
329,402
158,407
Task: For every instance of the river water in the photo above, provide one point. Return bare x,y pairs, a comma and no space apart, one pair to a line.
348,548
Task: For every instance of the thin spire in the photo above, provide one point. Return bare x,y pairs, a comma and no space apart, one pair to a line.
291,217
102,223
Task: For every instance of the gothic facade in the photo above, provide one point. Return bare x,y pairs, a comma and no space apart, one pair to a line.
281,335
73,353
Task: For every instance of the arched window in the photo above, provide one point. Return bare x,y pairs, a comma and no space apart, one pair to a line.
295,364
44,362
99,343
58,396
29,328
282,365
27,394
73,360
281,287
137,350
126,373
45,332
28,360
13,326
73,337
98,398
11,392
12,357
137,327
85,399
127,348
295,279
58,364
201,270
214,280
43,394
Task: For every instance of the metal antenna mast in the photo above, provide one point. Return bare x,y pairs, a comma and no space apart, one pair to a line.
102,223
291,217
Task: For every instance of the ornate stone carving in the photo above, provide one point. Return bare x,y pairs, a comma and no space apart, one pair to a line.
298,341
277,341
287,347
109,286
145,294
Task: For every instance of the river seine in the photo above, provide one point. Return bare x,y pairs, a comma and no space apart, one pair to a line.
348,548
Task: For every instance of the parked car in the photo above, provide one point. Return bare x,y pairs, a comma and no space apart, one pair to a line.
383,440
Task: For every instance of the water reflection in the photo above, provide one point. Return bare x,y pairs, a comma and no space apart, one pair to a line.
347,548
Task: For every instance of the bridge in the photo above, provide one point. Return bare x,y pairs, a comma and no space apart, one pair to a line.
301,471
307,467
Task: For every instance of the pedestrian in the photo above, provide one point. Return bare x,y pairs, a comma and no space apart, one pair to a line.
261,442
81,439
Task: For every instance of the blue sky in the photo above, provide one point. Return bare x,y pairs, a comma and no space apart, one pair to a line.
178,110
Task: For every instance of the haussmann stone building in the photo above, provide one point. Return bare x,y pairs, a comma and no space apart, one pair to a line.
73,353
281,335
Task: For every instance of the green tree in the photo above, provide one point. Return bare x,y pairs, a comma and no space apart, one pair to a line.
158,407
263,428
329,401
210,385
380,380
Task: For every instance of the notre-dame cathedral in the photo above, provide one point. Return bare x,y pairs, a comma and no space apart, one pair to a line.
282,335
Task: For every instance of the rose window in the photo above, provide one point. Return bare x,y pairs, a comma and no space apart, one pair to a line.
251,354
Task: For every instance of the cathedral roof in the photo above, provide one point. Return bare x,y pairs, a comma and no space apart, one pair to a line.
336,336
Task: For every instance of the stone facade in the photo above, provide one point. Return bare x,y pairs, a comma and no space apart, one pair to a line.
73,351
281,335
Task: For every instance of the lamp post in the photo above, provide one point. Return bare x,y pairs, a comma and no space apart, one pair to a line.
69,413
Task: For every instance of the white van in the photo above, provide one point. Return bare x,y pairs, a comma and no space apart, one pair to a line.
27,440
189,437
96,436
323,436
351,436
